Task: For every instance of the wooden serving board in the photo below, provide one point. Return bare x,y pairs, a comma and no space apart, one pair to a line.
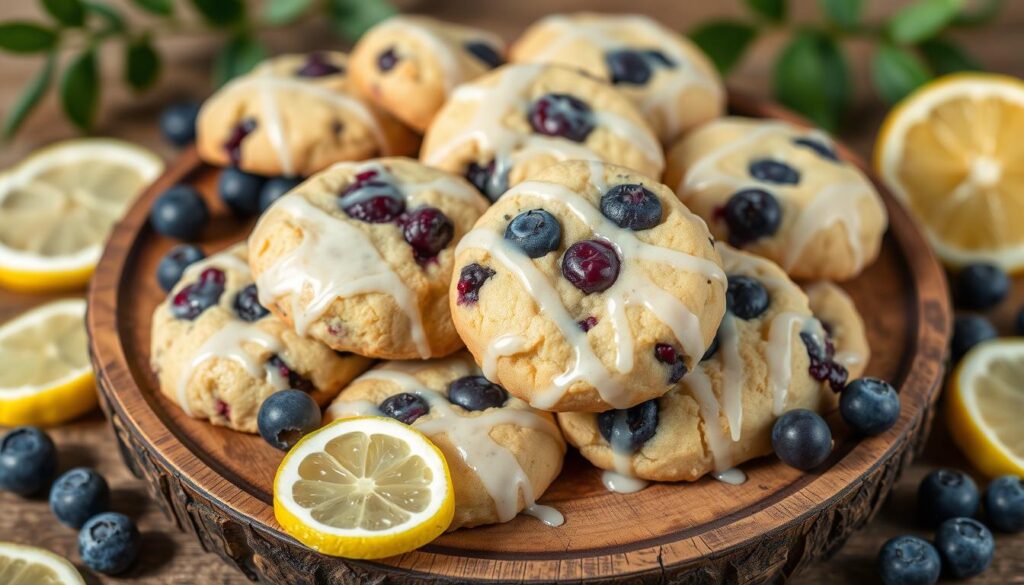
216,483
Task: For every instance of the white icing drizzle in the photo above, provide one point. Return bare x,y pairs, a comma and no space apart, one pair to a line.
501,346
734,476
780,363
622,480
710,409
732,375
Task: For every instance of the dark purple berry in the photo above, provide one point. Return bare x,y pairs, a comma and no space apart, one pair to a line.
773,171
870,406
372,199
287,416
823,150
968,331
295,380
178,123
191,301
562,115
318,65
588,323
404,407
486,53
980,286
626,66
591,265
751,214
746,297
233,144
627,430
476,393
173,265
428,231
78,495
668,355
966,547
535,232
28,461
711,350
945,494
179,213
387,60
109,543
632,207
471,279
909,560
240,191
275,189
823,367
1004,504
802,439
483,177
247,305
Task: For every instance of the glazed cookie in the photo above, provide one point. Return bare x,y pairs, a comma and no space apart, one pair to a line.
669,79
217,353
360,256
408,65
502,454
587,288
295,115
517,120
721,414
839,316
782,192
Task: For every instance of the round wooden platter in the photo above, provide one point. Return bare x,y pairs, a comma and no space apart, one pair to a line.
216,483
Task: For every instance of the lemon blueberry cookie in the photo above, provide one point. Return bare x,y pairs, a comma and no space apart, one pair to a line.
502,454
765,361
586,288
839,316
294,115
669,79
218,353
360,256
518,119
408,65
782,192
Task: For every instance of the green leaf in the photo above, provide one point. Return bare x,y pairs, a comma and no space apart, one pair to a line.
237,57
812,77
29,98
922,20
112,21
985,12
843,13
280,12
774,10
158,7
221,12
725,41
80,90
944,56
141,64
66,12
351,18
26,37
897,72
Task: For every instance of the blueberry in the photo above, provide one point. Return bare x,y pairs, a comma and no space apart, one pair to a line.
483,178
428,231
870,406
1020,322
239,132
980,286
823,150
591,265
404,407
711,350
909,560
79,495
823,366
190,302
372,198
587,324
968,331
295,380
773,171
274,189
476,393
536,232
471,278
752,214
945,494
179,213
966,547
627,430
802,439
746,297
626,66
632,207
28,461
387,59
318,65
668,355
109,543
178,123
1004,504
240,191
287,416
562,115
173,265
247,305
486,53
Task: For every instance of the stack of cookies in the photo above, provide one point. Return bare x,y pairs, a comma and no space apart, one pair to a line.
544,273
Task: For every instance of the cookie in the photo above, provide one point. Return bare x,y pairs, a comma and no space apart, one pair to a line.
586,288
839,316
408,65
294,115
782,192
518,119
217,353
502,454
721,414
669,79
360,256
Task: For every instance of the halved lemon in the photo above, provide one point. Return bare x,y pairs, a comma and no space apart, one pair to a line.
364,488
985,405
27,565
952,152
45,376
58,205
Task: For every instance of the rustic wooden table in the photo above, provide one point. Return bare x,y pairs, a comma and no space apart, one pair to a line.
174,558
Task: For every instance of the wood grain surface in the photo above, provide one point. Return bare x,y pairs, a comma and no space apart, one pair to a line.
172,557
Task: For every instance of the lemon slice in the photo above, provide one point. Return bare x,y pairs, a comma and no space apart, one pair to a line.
952,152
985,404
364,488
58,205
45,376
27,565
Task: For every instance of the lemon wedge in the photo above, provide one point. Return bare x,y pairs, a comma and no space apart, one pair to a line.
952,152
984,406
45,376
27,565
364,488
58,205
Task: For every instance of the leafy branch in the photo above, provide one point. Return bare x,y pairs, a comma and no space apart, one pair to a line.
81,28
812,73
